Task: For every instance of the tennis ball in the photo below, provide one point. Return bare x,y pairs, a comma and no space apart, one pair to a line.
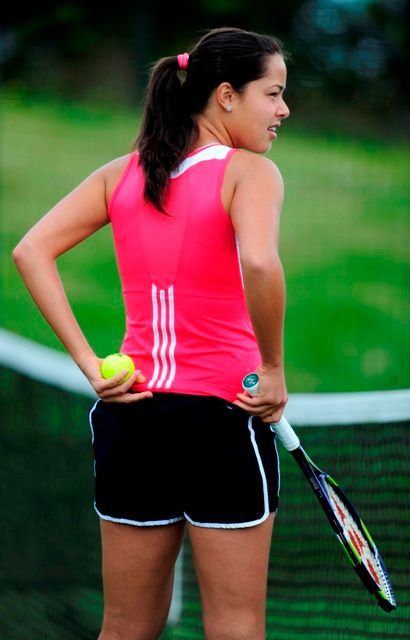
116,362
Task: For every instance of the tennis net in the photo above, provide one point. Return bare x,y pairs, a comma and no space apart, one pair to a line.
50,585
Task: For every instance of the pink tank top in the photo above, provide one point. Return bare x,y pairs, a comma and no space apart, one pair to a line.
187,325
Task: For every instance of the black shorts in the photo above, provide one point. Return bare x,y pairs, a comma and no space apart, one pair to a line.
181,457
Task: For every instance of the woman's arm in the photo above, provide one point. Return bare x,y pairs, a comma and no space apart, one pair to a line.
80,214
255,212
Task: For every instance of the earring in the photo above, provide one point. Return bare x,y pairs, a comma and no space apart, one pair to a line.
228,108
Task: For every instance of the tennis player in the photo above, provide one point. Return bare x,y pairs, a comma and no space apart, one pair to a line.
194,210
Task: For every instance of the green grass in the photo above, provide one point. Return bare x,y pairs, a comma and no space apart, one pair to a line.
344,242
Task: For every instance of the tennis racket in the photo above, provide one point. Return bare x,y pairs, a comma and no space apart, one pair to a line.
346,523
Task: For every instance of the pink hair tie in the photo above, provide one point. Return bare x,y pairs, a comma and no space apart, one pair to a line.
183,59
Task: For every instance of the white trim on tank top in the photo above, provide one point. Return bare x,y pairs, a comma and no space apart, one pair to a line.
214,152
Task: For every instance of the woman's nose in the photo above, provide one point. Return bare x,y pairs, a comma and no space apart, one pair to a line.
283,110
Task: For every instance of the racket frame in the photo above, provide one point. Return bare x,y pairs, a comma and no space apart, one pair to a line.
318,480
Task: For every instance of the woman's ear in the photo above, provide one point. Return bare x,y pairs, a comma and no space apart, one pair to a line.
224,95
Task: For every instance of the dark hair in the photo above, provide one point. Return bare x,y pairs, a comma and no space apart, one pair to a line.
168,128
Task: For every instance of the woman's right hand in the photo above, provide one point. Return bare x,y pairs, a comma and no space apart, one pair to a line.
272,396
112,389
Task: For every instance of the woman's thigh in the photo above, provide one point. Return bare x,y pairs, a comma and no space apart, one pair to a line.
232,570
138,567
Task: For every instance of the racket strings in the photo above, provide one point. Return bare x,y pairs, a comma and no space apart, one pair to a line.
355,536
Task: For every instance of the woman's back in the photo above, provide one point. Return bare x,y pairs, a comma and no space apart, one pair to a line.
188,328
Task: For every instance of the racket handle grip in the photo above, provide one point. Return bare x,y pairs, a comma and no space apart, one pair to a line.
282,428
286,434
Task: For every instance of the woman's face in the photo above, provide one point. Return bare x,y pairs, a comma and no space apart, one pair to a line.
259,109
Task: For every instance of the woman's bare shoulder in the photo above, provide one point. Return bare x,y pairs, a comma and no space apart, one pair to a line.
247,165
115,166
112,171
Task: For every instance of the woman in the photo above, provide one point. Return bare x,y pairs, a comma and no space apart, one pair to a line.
195,218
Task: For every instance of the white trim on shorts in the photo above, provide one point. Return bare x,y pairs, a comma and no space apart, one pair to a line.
249,523
90,420
278,459
137,523
208,525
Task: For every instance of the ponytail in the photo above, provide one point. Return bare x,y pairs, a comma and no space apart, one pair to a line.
167,131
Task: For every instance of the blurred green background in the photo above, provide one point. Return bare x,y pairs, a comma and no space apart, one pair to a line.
72,80
72,89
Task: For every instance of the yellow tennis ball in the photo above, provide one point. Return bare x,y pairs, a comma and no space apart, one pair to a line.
116,362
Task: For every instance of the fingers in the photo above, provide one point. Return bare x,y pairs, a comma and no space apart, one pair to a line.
128,398
257,405
114,390
268,410
250,405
